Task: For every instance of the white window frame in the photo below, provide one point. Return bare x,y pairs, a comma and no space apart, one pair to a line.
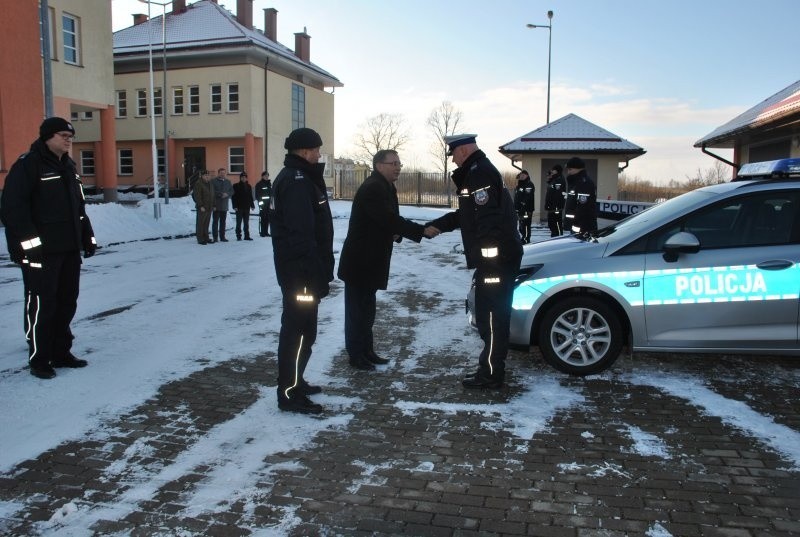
70,50
236,159
87,162
194,100
127,156
122,104
233,97
141,100
215,99
177,100
158,102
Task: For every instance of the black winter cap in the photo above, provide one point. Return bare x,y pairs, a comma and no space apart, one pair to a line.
576,163
52,125
302,138
557,168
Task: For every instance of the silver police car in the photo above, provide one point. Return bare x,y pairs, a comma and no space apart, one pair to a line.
713,270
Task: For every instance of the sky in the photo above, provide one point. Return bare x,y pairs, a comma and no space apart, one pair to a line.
157,336
660,74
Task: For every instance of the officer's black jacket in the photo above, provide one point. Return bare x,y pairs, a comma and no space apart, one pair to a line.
485,214
580,207
302,227
524,197
43,197
556,189
263,192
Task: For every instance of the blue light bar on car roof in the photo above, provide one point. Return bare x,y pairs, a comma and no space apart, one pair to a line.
780,168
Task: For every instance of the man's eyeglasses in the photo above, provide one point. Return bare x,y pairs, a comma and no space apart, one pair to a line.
66,135
393,163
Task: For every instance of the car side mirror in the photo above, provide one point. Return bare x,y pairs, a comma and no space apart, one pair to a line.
682,242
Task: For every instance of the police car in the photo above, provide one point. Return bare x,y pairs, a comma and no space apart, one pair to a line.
714,270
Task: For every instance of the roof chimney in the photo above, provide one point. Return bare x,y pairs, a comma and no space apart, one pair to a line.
302,46
244,13
178,6
139,18
271,23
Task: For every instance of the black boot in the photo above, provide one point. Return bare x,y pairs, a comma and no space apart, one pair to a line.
298,402
375,359
362,363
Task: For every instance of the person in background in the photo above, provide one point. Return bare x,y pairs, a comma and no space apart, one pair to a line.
44,212
203,196
302,246
222,194
580,205
524,204
263,195
375,225
554,200
242,203
492,247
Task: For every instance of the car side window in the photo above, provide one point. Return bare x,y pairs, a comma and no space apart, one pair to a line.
758,219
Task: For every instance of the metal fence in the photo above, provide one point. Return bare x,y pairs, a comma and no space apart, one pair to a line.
413,188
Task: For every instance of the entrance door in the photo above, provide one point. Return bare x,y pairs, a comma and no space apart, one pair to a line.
194,162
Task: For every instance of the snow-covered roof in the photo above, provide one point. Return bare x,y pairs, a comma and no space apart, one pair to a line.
772,110
571,134
206,25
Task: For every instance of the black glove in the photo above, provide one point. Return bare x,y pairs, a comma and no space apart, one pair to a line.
89,247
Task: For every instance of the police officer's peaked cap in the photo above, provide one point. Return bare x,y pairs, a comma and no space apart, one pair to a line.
302,138
52,125
456,140
576,163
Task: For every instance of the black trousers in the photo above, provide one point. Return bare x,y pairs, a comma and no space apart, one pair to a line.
218,224
359,318
243,216
297,336
494,290
50,304
555,224
263,222
525,226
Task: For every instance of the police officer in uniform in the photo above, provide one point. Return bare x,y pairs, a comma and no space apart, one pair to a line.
43,209
263,195
492,246
302,244
524,204
554,200
580,206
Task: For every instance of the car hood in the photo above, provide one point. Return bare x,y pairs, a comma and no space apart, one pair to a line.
560,249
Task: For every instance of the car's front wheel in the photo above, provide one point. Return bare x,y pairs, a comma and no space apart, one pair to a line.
580,336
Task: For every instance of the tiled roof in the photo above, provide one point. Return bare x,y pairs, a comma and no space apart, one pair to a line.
784,103
571,134
204,24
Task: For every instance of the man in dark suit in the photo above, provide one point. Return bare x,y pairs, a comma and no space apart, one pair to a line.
375,224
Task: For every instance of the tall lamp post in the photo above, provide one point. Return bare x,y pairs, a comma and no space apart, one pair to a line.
549,54
156,207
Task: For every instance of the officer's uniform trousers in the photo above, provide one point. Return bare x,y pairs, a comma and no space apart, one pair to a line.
494,291
298,334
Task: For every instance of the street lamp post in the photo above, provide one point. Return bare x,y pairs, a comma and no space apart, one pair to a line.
549,54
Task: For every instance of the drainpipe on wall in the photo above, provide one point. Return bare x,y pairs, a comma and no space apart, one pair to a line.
709,153
44,12
266,117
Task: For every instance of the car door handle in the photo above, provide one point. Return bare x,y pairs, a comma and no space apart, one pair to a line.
775,264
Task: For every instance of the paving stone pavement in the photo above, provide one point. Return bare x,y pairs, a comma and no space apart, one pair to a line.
448,467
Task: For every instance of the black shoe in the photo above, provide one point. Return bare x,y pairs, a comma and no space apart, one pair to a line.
308,389
362,363
375,359
223,240
299,403
262,234
202,243
248,239
43,372
238,238
482,383
70,361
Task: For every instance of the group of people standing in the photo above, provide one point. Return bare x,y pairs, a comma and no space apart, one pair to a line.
571,202
212,196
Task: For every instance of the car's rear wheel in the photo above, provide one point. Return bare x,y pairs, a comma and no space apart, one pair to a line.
580,335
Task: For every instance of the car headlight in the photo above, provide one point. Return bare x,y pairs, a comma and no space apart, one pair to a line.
527,273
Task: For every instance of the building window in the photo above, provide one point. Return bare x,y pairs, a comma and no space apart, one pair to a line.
194,99
160,160
87,162
236,159
87,115
298,106
158,102
233,97
69,26
141,103
122,104
216,99
125,162
73,116
177,101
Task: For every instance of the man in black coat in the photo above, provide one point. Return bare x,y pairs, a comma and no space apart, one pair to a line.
375,224
554,200
242,203
524,204
580,206
263,195
492,246
302,245
43,209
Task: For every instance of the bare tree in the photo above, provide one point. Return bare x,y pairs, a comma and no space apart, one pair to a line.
443,121
718,173
384,131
